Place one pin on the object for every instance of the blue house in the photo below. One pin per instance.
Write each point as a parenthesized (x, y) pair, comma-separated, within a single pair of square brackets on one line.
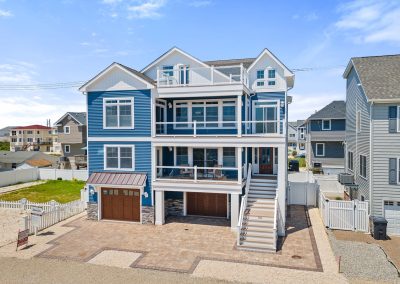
[(190, 137), (326, 131)]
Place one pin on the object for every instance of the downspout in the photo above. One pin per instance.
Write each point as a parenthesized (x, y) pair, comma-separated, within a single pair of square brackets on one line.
[(371, 125)]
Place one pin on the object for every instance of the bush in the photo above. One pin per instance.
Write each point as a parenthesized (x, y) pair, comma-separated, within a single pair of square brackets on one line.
[(338, 198), (302, 162), (294, 153)]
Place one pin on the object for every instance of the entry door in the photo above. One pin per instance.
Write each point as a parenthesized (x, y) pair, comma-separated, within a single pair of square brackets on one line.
[(266, 162)]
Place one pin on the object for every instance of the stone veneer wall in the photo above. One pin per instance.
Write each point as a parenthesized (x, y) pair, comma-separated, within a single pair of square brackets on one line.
[(147, 215), (92, 211), (173, 207)]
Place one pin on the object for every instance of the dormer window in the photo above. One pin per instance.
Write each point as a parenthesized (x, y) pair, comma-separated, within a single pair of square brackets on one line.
[(271, 77), (168, 70)]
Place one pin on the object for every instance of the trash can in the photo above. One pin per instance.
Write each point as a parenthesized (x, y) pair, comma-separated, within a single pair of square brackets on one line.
[(294, 165), (378, 227)]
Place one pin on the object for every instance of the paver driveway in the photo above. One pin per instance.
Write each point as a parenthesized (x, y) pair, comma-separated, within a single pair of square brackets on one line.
[(180, 244)]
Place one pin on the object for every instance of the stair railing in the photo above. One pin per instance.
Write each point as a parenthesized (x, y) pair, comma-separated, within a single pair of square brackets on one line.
[(243, 204), (275, 221)]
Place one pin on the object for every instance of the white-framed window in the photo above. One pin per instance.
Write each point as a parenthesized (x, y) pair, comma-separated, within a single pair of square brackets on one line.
[(301, 132), (302, 146), (13, 133), (350, 161), (320, 149), (292, 135), (363, 166), (119, 157), (30, 140), (168, 70), (118, 113), (207, 114), (271, 74), (182, 156), (358, 121), (20, 140), (67, 148), (326, 124), (229, 157), (29, 132), (260, 78), (14, 140), (67, 129)]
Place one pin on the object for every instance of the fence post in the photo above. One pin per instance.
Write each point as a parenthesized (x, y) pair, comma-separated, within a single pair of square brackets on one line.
[(23, 202)]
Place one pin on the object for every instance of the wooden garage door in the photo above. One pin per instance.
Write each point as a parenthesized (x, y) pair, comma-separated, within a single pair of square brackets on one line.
[(120, 204), (206, 204)]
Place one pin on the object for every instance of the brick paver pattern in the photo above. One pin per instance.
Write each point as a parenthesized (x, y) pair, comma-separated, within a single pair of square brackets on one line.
[(183, 241)]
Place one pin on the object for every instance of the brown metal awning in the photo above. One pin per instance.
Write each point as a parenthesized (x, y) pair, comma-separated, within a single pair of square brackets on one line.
[(118, 179)]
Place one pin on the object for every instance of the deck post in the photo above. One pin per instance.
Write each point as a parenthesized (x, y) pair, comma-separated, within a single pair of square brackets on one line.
[(160, 215), (234, 211)]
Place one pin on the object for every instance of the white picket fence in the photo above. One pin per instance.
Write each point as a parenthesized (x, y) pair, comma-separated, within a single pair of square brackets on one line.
[(344, 215), (57, 214), (25, 204)]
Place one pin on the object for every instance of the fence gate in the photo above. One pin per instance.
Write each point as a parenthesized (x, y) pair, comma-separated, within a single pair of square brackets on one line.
[(344, 215), (303, 193)]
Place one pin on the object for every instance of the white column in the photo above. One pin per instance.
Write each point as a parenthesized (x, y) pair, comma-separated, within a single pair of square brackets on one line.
[(184, 204), (160, 214), (239, 163), (234, 211), (239, 115), (153, 162), (282, 174)]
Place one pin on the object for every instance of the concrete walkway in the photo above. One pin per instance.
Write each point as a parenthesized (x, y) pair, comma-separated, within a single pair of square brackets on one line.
[(6, 189), (261, 274)]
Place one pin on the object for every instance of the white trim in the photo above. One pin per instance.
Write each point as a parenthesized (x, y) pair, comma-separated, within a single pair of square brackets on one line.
[(358, 121), (69, 130), (118, 104), (398, 170), (266, 51), (398, 118), (330, 124), (359, 166), (69, 148), (119, 139), (105, 71), (352, 161), (174, 49), (316, 150), (119, 146)]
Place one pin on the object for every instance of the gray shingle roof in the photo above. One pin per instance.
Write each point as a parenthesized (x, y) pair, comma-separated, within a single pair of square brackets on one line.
[(79, 116), (336, 109), (18, 157), (6, 131), (379, 76)]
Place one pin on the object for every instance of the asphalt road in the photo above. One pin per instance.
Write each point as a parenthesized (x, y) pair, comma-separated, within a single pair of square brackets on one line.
[(38, 270)]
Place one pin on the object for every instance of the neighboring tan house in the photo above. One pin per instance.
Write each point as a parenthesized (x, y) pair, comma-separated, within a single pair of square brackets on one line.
[(292, 136), (184, 136), (373, 134), (71, 128), (25, 159), (325, 137), (31, 138)]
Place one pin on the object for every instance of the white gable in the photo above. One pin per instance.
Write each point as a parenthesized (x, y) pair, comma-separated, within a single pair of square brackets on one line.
[(174, 57), (116, 78)]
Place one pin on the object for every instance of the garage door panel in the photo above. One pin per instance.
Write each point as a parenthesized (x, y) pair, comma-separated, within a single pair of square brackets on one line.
[(206, 204), (392, 215), (121, 204)]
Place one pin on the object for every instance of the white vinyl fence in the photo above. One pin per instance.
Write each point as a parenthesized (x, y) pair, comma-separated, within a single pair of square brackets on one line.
[(57, 214), (344, 215), (25, 204), (63, 174), (303, 193), (16, 176)]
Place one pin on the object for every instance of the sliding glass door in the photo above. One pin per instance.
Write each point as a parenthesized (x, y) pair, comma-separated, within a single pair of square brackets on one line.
[(267, 115)]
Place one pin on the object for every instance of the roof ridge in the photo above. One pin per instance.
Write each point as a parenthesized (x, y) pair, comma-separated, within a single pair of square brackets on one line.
[(370, 56)]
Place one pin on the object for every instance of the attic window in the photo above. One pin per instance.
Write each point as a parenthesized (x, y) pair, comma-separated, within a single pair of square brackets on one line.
[(168, 70), (326, 125)]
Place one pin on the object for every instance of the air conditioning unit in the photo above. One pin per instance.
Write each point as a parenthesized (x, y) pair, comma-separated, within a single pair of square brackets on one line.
[(345, 178)]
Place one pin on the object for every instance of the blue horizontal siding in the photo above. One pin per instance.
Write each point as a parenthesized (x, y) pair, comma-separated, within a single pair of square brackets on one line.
[(332, 149), (142, 161), (142, 114), (336, 125)]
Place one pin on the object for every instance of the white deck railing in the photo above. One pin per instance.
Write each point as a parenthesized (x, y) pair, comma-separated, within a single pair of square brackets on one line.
[(195, 173), (219, 128), (202, 76), (243, 204)]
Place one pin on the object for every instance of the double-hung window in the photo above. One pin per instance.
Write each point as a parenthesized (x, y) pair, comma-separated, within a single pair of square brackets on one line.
[(67, 149), (119, 157), (260, 78), (350, 161), (67, 130), (320, 149), (363, 166), (29, 132), (118, 113), (271, 77), (326, 124)]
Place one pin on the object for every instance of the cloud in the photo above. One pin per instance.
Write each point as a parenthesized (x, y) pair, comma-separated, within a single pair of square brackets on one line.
[(200, 3), (146, 9), (5, 14), (370, 21), (312, 16)]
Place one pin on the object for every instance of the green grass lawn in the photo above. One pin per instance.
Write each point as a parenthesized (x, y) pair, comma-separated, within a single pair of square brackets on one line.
[(62, 191)]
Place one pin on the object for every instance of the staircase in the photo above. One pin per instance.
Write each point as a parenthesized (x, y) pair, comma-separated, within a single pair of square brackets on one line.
[(257, 231)]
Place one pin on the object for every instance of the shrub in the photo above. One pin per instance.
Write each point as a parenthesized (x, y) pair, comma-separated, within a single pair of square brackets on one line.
[(294, 153), (338, 198), (302, 162)]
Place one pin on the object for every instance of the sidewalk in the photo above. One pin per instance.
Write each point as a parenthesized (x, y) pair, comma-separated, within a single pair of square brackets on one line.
[(15, 187), (261, 274)]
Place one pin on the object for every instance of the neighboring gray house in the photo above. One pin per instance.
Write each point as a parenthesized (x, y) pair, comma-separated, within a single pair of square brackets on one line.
[(325, 137), (301, 136), (373, 134), (292, 136), (25, 159), (5, 133), (71, 128)]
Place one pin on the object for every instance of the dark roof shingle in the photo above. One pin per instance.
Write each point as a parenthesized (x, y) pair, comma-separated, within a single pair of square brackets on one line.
[(335, 110)]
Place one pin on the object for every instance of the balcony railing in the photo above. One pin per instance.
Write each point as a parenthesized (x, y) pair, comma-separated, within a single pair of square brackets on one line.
[(196, 174), (219, 128), (202, 76)]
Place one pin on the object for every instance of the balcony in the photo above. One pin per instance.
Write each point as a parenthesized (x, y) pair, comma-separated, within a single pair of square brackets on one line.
[(220, 128)]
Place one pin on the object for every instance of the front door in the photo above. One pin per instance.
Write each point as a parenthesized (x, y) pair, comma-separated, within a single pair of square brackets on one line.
[(266, 160)]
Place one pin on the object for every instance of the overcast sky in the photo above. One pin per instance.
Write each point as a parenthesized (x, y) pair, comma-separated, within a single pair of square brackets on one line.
[(72, 40)]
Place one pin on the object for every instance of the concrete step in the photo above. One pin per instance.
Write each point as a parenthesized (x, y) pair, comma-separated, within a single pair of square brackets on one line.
[(267, 235), (261, 213), (258, 219), (259, 205), (256, 239), (252, 200), (262, 191), (259, 195), (257, 249), (263, 180), (258, 229)]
